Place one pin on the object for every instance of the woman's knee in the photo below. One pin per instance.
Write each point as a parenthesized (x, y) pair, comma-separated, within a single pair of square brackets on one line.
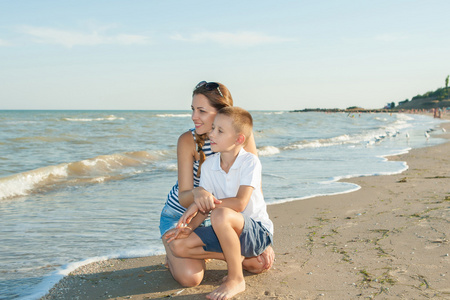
[(187, 278), (187, 272), (178, 248)]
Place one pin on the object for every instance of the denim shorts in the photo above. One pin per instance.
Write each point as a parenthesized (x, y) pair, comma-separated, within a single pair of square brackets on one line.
[(255, 238), (169, 219)]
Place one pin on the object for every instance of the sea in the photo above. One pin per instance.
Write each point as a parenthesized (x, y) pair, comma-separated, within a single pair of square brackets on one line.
[(83, 186)]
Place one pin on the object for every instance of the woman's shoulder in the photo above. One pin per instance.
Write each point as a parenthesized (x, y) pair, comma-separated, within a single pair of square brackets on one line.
[(186, 138)]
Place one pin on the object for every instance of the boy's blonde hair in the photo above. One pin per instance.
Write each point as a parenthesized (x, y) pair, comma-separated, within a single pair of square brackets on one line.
[(241, 120)]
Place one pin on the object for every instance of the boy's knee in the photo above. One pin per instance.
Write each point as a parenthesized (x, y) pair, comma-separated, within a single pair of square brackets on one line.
[(220, 215)]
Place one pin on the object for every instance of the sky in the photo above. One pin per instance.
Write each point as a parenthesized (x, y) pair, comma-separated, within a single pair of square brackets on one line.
[(272, 55)]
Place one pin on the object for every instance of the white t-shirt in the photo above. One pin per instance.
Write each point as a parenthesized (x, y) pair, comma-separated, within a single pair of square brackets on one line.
[(246, 170)]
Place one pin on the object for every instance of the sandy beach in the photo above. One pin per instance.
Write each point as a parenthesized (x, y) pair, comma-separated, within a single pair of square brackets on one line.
[(388, 240)]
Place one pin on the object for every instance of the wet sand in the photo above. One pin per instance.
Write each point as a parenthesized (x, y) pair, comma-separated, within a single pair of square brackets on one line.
[(388, 240)]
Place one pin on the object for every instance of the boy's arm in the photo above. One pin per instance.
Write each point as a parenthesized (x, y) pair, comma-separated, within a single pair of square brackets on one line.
[(238, 203), (250, 178), (204, 193), (197, 220)]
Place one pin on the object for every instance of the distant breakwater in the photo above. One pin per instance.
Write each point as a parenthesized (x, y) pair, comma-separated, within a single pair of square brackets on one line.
[(338, 110)]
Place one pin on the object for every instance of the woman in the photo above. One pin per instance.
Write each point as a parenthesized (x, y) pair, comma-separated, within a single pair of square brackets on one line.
[(192, 149)]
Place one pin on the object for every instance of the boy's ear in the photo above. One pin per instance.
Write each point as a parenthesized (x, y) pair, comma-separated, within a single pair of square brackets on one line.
[(240, 139)]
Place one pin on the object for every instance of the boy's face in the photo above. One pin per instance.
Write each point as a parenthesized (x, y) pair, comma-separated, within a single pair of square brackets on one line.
[(223, 137)]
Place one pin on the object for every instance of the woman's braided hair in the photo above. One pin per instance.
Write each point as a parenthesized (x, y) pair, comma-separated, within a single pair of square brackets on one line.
[(216, 100)]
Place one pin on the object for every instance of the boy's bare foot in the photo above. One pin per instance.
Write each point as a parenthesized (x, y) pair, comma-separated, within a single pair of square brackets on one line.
[(227, 290)]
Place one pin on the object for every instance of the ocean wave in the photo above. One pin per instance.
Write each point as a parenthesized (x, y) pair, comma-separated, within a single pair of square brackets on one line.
[(46, 139), (107, 118), (338, 140), (369, 134), (351, 188), (173, 115), (404, 117), (367, 138), (268, 151), (274, 113), (403, 167), (15, 122), (90, 171)]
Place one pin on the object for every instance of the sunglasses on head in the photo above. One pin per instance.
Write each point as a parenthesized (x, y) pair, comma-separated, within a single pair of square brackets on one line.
[(209, 86)]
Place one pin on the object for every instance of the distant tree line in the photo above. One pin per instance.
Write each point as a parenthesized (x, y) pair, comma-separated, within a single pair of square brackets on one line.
[(439, 94)]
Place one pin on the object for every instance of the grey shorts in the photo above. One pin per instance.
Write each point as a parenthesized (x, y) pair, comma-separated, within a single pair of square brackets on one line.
[(255, 238)]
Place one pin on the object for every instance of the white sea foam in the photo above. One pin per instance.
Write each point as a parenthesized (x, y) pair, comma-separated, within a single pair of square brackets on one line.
[(404, 117), (173, 115), (379, 173), (268, 151), (274, 113), (338, 140), (354, 187), (49, 281), (381, 119), (107, 118), (172, 167), (23, 183)]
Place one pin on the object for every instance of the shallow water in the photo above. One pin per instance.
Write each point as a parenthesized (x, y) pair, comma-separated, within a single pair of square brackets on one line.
[(77, 186)]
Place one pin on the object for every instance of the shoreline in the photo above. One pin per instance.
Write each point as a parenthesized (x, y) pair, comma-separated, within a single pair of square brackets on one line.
[(388, 238)]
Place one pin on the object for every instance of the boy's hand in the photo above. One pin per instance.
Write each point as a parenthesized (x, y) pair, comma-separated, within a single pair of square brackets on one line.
[(205, 200), (179, 233), (267, 258)]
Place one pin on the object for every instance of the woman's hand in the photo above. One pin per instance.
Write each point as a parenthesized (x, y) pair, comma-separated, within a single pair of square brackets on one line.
[(204, 200), (188, 215), (178, 233)]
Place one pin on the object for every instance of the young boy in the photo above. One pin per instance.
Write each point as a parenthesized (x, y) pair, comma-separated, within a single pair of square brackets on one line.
[(240, 226)]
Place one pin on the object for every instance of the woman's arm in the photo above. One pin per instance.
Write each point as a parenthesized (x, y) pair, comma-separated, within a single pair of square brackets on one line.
[(186, 155), (251, 145), (185, 160)]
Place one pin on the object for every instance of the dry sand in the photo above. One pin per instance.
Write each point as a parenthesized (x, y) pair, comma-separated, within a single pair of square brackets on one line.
[(388, 240)]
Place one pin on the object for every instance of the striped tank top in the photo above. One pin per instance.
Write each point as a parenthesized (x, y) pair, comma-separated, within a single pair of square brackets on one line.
[(172, 197)]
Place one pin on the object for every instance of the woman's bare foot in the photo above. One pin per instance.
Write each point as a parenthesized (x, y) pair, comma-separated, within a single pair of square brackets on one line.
[(227, 290), (166, 263)]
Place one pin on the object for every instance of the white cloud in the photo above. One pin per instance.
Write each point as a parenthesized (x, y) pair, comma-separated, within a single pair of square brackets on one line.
[(232, 39), (69, 39)]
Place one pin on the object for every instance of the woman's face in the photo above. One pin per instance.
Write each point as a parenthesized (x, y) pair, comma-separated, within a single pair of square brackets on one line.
[(203, 114)]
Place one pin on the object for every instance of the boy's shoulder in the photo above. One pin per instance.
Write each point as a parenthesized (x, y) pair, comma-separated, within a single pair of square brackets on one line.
[(209, 161), (247, 157)]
